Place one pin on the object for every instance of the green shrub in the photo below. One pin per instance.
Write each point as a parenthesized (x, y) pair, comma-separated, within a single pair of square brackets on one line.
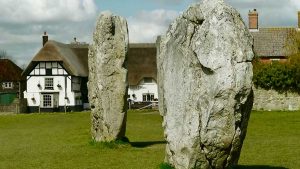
[(165, 166), (280, 76), (277, 76)]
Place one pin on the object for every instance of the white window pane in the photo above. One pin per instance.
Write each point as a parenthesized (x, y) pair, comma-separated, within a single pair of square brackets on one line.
[(47, 101), (54, 71), (60, 71), (49, 83), (42, 72), (36, 71)]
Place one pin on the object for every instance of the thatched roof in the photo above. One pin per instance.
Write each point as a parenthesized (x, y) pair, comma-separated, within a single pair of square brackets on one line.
[(141, 62), (9, 71), (270, 42), (73, 57)]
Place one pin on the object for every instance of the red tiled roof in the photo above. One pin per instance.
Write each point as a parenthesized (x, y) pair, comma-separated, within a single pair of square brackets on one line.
[(9, 71), (270, 42)]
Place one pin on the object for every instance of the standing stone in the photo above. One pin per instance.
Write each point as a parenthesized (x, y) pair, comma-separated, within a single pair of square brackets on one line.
[(205, 86), (108, 78)]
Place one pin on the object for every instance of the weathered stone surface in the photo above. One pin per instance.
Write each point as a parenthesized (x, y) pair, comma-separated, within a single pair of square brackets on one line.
[(205, 86), (108, 78)]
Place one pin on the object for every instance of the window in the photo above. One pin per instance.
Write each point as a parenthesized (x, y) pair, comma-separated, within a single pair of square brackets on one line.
[(48, 83), (76, 84), (147, 97), (47, 100), (148, 80), (7, 85)]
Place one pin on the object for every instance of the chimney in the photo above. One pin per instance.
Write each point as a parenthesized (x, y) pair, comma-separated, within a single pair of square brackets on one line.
[(253, 19), (45, 38), (299, 19)]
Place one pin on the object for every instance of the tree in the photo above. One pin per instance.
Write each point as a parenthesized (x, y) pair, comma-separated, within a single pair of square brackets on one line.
[(3, 54), (293, 51)]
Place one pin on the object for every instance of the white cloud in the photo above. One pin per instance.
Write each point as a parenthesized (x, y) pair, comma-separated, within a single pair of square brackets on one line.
[(273, 13), (22, 23), (147, 25), (24, 11)]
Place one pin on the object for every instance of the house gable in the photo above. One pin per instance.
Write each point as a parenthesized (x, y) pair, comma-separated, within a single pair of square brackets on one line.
[(48, 69), (72, 58)]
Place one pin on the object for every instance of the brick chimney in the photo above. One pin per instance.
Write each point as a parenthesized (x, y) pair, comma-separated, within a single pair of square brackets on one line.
[(253, 19), (45, 38), (299, 19)]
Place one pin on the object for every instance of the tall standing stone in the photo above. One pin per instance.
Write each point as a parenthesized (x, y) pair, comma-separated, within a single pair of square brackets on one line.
[(108, 78), (205, 86)]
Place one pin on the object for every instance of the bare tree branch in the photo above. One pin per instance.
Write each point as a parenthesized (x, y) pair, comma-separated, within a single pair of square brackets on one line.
[(3, 54)]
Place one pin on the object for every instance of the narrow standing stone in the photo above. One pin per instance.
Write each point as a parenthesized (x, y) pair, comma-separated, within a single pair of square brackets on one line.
[(205, 86), (108, 78)]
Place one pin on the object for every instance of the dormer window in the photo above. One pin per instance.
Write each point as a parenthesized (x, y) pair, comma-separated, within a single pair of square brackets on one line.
[(148, 80), (48, 83), (7, 85)]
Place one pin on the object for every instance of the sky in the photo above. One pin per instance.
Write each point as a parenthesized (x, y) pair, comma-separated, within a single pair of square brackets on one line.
[(23, 22)]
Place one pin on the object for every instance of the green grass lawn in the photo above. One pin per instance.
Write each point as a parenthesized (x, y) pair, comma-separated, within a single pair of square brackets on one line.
[(59, 140)]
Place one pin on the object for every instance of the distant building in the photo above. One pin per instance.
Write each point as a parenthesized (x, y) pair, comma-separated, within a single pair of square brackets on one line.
[(269, 43), (12, 87), (142, 73), (57, 77)]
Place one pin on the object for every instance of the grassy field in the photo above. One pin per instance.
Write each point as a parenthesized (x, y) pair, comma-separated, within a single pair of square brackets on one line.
[(58, 141)]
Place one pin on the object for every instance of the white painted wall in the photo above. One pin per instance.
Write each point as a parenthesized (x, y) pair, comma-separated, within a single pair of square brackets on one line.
[(33, 91), (143, 88)]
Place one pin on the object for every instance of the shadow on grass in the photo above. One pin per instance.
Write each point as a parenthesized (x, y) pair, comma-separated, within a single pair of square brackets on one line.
[(146, 143), (122, 143), (257, 167)]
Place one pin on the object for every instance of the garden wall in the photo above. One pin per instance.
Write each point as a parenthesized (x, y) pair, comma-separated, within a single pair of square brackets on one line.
[(273, 100), (17, 106)]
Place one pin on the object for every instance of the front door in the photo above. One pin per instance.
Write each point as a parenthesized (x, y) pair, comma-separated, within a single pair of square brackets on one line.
[(47, 101)]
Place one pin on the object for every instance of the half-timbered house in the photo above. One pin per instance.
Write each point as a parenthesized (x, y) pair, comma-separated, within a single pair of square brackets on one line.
[(57, 77)]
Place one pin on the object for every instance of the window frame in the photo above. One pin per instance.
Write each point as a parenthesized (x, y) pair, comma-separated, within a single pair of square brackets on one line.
[(148, 97), (48, 84), (148, 80), (47, 101), (7, 85)]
